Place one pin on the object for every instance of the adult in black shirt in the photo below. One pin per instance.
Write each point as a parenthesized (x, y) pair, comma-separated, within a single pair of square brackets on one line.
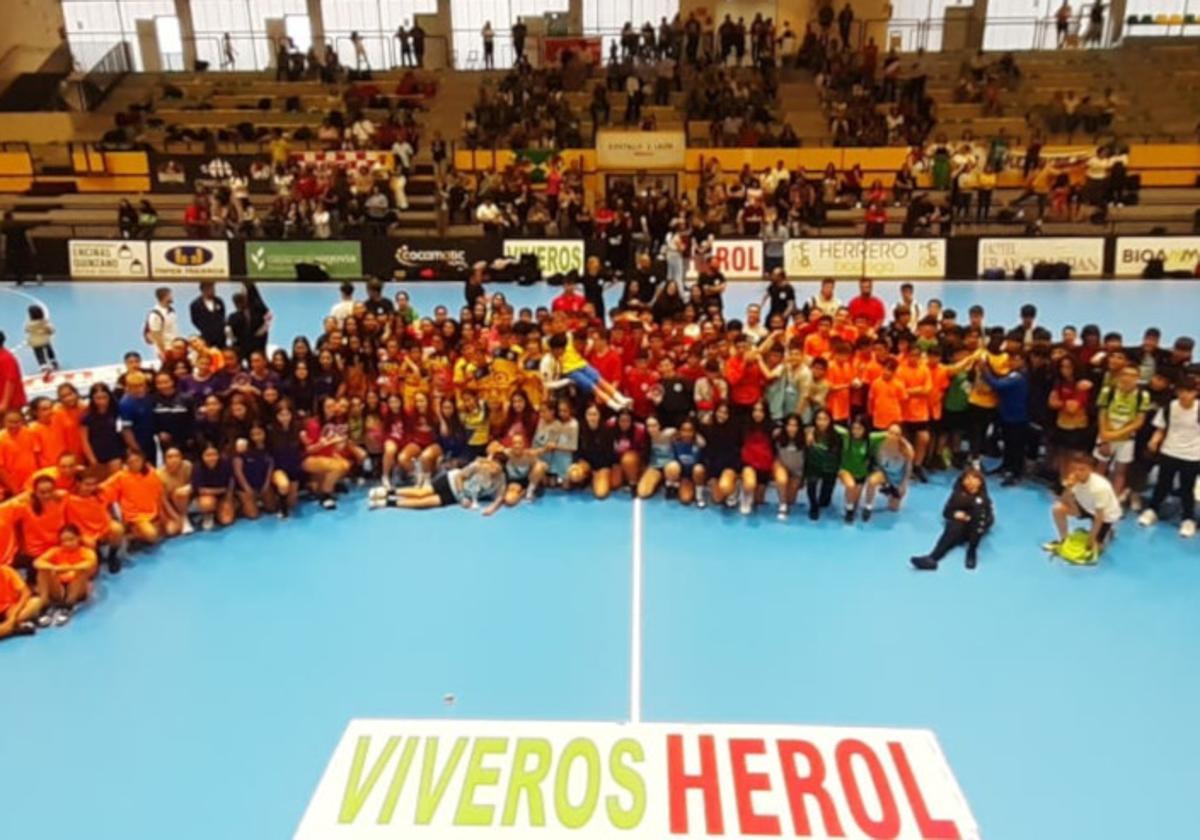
[(648, 280), (174, 415), (780, 298), (18, 249), (249, 325), (208, 315), (594, 281), (677, 401), (417, 34), (474, 288), (712, 285), (376, 303), (518, 38)]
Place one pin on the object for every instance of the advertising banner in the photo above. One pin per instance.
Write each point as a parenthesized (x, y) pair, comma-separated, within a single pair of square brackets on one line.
[(528, 780), (555, 256), (882, 258), (110, 258), (738, 259), (278, 260), (1085, 255), (190, 259), (1178, 253), (621, 149)]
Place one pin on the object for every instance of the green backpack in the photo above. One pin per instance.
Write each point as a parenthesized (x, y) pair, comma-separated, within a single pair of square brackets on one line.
[(1077, 550)]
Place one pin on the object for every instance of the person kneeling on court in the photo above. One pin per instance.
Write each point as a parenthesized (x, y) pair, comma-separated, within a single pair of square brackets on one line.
[(19, 608), (480, 480), (969, 516), (64, 576), (1086, 495)]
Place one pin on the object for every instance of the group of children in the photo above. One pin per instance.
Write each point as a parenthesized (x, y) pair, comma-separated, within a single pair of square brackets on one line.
[(493, 407)]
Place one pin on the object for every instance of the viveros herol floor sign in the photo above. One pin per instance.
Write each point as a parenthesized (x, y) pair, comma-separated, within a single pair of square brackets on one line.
[(455, 780)]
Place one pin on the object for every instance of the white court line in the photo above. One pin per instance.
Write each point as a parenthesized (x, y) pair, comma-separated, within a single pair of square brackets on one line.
[(635, 608)]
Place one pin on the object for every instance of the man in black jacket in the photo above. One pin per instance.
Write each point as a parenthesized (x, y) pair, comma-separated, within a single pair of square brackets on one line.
[(208, 315)]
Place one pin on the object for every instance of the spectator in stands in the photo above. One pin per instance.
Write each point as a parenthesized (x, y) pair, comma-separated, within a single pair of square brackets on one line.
[(845, 20), (489, 46), (417, 33), (519, 31), (361, 61)]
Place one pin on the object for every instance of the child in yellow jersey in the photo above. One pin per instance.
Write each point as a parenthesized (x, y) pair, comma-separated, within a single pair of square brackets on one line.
[(982, 401), (565, 365)]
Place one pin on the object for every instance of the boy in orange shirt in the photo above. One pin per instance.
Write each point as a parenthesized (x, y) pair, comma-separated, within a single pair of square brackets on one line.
[(66, 421), (64, 576), (885, 398), (819, 344), (19, 608), (914, 374), (88, 510), (841, 378), (49, 441), (40, 517)]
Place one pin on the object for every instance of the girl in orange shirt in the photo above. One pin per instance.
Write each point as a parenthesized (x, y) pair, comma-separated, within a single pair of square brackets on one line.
[(915, 376), (885, 399), (64, 576), (18, 453), (137, 491), (66, 421), (41, 518), (49, 442), (841, 378)]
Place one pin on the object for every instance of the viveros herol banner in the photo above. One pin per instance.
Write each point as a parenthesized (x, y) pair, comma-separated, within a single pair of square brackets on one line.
[(465, 780), (555, 256), (278, 260)]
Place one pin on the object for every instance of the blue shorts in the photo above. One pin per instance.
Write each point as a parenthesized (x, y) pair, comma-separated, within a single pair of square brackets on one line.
[(587, 377)]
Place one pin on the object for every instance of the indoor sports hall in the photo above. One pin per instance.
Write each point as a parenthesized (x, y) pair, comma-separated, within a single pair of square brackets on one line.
[(210, 682)]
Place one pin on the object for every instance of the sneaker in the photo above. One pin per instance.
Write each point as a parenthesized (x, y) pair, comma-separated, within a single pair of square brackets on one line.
[(866, 514), (732, 501), (208, 523), (1053, 546), (919, 472), (782, 515), (747, 504), (380, 492), (25, 628), (814, 514), (329, 503), (187, 527), (849, 517), (971, 560), (376, 502), (61, 616), (1010, 481), (114, 563), (1148, 518), (45, 619), (385, 484), (1187, 529), (672, 491), (923, 564), (1135, 502), (701, 504)]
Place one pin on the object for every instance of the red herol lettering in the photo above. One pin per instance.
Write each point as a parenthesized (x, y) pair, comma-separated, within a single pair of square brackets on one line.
[(930, 828), (706, 781), (812, 785), (888, 825), (744, 785)]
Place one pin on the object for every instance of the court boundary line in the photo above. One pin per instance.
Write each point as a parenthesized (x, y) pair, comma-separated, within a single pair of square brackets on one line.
[(635, 618)]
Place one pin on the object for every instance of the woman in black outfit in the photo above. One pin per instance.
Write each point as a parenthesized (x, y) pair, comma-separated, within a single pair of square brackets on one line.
[(968, 515)]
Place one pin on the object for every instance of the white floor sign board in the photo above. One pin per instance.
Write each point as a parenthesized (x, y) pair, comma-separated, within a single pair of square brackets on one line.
[(454, 780)]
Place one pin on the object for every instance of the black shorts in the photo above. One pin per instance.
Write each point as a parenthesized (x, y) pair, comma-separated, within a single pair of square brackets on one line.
[(955, 421), (441, 486), (1105, 529), (1075, 440), (520, 481), (912, 427)]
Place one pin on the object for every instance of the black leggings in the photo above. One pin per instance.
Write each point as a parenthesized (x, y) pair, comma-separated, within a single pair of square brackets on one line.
[(980, 419), (955, 534), (1168, 469), (45, 355), (820, 490)]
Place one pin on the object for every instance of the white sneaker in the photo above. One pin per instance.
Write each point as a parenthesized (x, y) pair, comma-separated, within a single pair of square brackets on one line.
[(385, 483), (1148, 518), (378, 492), (1187, 529), (187, 527), (209, 522), (747, 504), (783, 513)]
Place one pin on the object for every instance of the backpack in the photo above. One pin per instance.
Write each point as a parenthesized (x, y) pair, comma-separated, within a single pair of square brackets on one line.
[(1077, 550)]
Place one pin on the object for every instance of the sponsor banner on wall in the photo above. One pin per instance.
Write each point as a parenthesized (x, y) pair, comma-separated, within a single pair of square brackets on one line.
[(737, 258), (1084, 254), (620, 149), (278, 260), (181, 258), (555, 256), (1178, 253), (465, 780), (904, 258), (111, 258)]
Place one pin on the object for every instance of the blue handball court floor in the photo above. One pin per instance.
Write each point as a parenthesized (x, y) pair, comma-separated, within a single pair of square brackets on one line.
[(201, 695)]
